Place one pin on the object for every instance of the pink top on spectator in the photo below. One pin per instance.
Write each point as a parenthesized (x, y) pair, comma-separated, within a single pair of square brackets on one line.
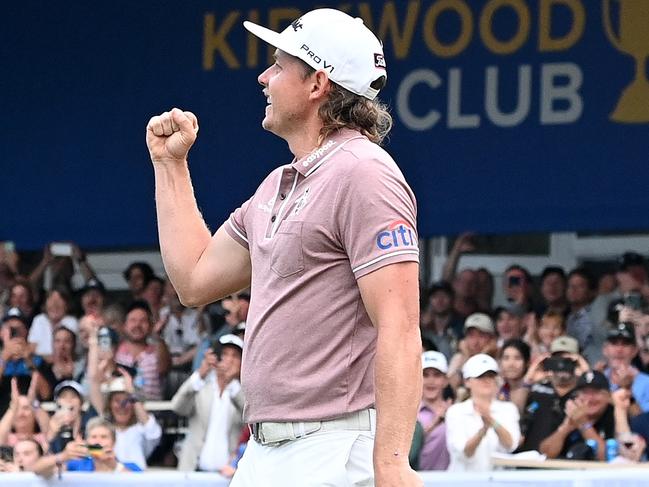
[(312, 228), (147, 364)]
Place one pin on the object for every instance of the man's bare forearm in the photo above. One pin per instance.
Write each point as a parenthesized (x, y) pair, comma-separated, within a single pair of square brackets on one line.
[(182, 231), (398, 392)]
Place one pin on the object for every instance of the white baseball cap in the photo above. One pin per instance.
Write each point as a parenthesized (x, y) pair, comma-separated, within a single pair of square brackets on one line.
[(478, 365), (434, 360), (332, 41), (230, 339)]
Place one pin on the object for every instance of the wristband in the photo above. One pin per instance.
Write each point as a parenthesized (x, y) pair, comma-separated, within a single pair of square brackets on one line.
[(495, 424)]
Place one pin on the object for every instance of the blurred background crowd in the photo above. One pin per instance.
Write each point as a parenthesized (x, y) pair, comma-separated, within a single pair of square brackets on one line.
[(92, 380)]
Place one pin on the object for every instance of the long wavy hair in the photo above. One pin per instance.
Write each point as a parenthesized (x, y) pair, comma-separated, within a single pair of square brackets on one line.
[(344, 109)]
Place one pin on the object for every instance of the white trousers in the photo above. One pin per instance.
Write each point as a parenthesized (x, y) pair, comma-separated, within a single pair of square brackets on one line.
[(330, 458)]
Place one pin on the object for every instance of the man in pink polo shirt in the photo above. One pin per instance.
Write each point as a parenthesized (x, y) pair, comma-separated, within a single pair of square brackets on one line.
[(331, 367)]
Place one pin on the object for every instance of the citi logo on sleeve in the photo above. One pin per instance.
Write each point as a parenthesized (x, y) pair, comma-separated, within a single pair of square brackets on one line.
[(398, 234)]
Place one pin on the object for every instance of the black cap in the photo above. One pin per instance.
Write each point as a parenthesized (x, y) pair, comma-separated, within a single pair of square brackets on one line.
[(441, 286), (629, 259), (593, 379), (93, 283), (624, 331), (15, 314)]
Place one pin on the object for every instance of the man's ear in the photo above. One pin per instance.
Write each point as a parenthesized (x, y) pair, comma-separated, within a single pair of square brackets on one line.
[(320, 85)]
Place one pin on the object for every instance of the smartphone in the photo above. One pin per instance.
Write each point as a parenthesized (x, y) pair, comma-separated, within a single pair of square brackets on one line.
[(514, 281), (14, 332), (95, 450), (633, 301), (6, 454), (61, 249)]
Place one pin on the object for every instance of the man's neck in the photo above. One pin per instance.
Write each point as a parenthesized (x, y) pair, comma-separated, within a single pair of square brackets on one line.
[(305, 139)]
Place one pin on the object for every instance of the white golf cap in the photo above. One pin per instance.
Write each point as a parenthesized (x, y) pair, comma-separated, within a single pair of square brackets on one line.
[(330, 40), (434, 360), (478, 365), (231, 340)]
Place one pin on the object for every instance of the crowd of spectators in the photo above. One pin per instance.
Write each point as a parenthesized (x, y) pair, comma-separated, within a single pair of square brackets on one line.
[(559, 367), (101, 358)]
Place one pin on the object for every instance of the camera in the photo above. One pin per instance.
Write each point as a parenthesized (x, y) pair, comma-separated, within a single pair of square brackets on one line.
[(634, 301), (66, 435), (559, 364)]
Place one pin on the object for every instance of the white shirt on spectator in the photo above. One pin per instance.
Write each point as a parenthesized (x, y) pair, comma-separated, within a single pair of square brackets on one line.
[(215, 452), (135, 443), (188, 324), (42, 333), (463, 422)]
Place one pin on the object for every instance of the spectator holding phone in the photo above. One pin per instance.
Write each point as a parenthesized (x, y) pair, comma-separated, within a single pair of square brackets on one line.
[(143, 349), (17, 359), (137, 432), (518, 286), (213, 402), (550, 379), (481, 425), (69, 421), (64, 266), (96, 454)]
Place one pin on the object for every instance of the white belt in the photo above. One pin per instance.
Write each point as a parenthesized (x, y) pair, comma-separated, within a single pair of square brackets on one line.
[(277, 433)]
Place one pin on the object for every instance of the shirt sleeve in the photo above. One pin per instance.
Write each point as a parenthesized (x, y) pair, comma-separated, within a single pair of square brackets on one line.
[(152, 434), (376, 216), (507, 415), (456, 434), (236, 226)]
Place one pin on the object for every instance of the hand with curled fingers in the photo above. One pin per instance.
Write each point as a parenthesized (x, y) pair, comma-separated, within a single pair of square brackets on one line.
[(170, 135)]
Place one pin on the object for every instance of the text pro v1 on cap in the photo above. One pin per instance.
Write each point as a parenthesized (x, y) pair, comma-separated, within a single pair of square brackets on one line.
[(332, 41)]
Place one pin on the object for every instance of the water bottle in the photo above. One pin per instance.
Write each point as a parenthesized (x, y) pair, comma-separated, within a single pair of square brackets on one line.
[(138, 380), (592, 444), (611, 449)]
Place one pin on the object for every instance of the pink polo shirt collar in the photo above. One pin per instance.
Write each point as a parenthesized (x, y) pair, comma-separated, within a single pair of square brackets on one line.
[(314, 159)]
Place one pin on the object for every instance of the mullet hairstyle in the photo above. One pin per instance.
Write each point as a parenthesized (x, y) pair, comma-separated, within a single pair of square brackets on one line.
[(344, 109)]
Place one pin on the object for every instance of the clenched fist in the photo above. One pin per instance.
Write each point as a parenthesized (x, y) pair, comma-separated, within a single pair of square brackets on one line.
[(169, 136)]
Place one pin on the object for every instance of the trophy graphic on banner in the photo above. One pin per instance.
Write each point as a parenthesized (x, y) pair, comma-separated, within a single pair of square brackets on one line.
[(632, 38)]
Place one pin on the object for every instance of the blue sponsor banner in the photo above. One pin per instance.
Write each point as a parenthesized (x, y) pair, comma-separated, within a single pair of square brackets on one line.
[(510, 115)]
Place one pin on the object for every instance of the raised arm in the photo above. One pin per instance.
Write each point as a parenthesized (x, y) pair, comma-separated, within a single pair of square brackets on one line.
[(202, 267), (391, 298)]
